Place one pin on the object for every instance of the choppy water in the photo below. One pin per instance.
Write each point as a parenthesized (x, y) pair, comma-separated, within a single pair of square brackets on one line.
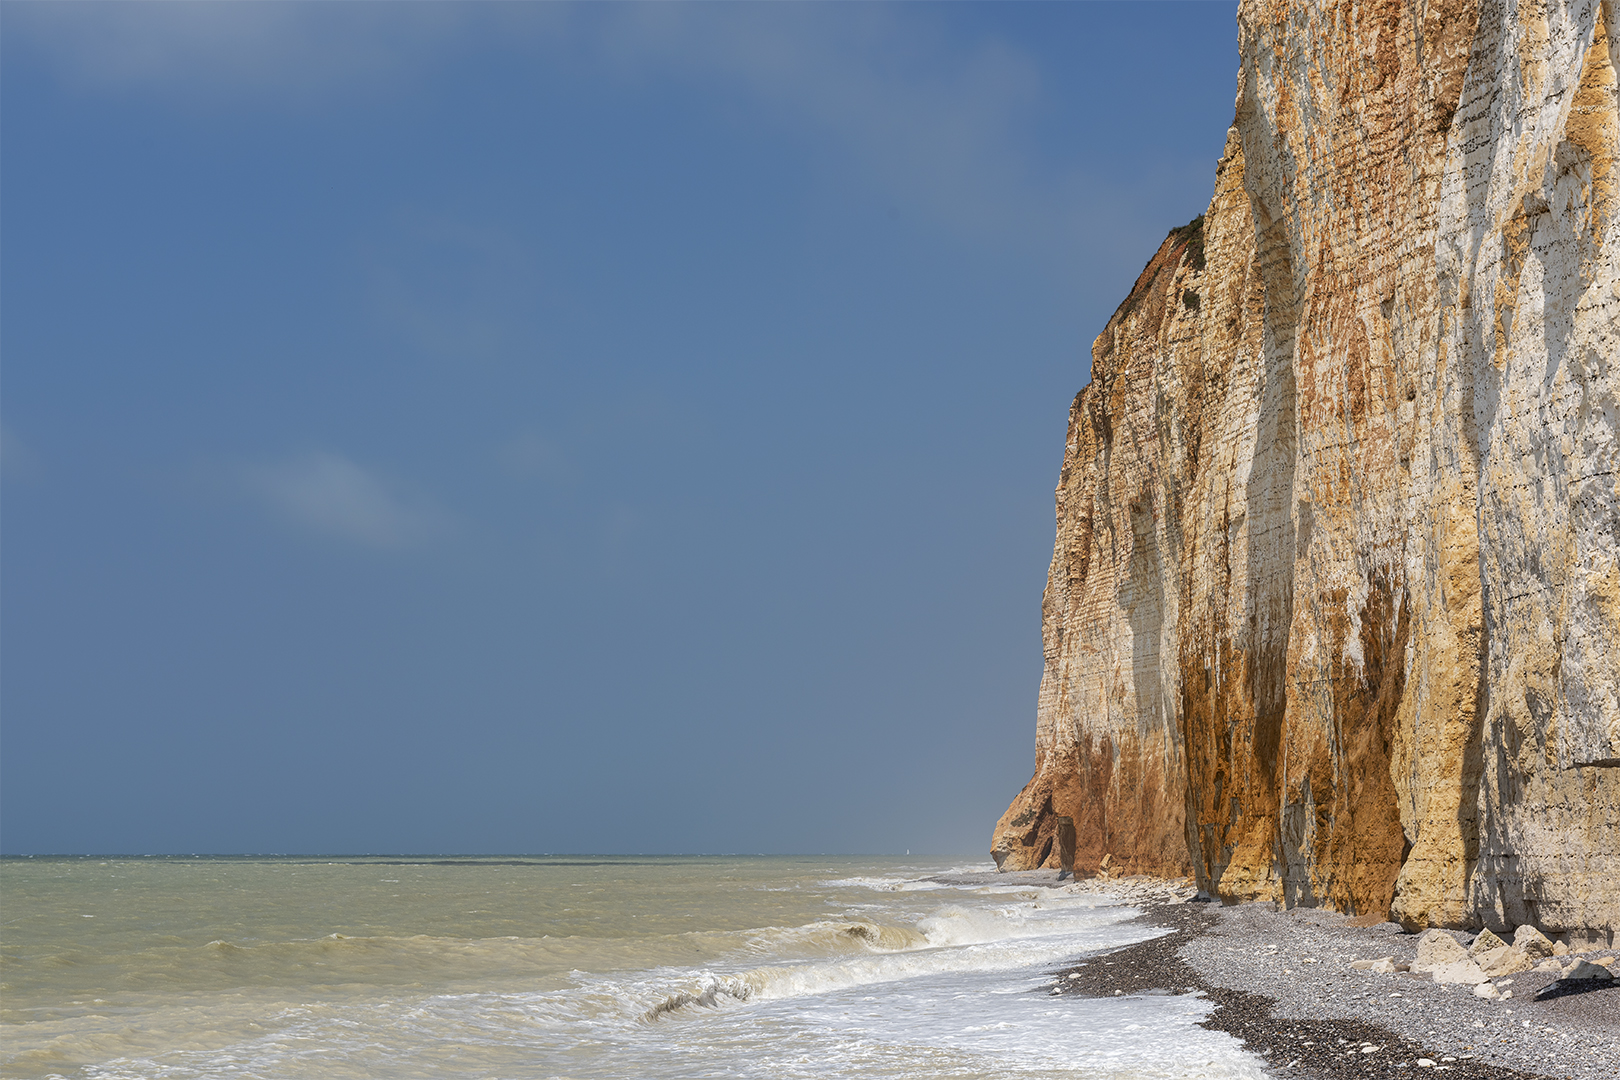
[(567, 967)]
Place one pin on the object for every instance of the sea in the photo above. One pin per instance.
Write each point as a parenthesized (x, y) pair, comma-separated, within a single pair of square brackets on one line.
[(570, 967)]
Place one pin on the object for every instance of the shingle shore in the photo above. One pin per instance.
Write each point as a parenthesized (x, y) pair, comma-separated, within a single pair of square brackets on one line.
[(1319, 1018), (1548, 1027), (1282, 982)]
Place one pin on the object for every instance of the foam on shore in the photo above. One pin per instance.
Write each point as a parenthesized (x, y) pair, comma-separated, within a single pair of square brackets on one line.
[(757, 967)]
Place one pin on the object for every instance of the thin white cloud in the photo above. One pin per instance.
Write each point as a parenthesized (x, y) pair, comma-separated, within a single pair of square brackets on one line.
[(932, 120), (936, 122), (330, 495), (284, 49), (941, 125)]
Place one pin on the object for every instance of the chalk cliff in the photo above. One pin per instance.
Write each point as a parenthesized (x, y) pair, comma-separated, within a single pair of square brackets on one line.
[(1333, 615)]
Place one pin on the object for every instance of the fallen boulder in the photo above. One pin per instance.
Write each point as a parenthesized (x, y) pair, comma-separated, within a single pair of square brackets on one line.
[(1437, 949), (1384, 965), (1503, 960), (1485, 942), (1532, 942), (1464, 972), (1585, 969)]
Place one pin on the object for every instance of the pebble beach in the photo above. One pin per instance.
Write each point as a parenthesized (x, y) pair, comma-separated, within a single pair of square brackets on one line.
[(1284, 982)]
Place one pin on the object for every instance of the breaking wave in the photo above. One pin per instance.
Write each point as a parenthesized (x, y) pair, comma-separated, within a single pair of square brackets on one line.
[(774, 968)]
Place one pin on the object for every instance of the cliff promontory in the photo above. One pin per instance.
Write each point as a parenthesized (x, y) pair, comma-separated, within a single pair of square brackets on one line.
[(1333, 615)]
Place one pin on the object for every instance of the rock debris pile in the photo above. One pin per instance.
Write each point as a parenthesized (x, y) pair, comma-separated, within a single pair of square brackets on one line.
[(1488, 957)]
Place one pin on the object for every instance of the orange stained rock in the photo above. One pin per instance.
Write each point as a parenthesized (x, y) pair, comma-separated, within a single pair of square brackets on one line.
[(1333, 614)]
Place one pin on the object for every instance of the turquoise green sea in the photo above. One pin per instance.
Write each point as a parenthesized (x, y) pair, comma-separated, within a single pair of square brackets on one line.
[(567, 967)]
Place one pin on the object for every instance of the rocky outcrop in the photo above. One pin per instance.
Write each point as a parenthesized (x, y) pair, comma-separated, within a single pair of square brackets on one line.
[(1333, 614)]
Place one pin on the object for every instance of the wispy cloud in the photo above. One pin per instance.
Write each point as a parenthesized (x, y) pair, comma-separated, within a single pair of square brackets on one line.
[(935, 121), (286, 50), (332, 496)]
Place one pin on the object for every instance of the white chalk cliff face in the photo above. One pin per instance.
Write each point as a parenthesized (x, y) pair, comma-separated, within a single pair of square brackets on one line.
[(1334, 609)]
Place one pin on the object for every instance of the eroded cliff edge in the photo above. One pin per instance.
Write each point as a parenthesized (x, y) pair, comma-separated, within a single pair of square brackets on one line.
[(1333, 615)]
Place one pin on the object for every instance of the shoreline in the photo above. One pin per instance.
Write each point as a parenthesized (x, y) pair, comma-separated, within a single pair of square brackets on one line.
[(1281, 983)]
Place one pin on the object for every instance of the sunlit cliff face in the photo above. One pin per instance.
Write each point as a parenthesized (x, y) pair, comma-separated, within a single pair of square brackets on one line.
[(1333, 615)]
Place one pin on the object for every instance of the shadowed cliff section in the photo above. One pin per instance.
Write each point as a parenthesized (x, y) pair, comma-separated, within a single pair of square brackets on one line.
[(1333, 614)]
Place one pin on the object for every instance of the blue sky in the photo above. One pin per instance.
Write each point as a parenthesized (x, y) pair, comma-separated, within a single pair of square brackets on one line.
[(525, 428)]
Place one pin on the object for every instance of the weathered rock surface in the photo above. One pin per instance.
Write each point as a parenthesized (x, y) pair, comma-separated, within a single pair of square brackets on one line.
[(1584, 969), (1437, 949), (1503, 960), (1532, 942), (1485, 942), (1333, 614), (1465, 972), (1384, 965)]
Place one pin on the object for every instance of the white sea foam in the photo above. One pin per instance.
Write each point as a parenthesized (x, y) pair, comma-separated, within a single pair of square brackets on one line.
[(842, 976), (886, 884)]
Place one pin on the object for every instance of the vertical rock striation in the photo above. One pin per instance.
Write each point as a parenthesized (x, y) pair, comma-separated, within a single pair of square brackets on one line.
[(1333, 614)]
